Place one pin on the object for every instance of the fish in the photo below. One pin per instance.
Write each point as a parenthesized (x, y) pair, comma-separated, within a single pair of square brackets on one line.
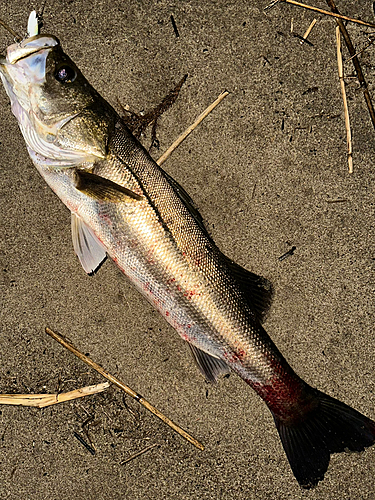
[(126, 207)]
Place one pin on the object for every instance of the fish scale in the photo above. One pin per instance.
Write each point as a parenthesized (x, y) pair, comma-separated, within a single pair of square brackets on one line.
[(203, 290), (125, 206)]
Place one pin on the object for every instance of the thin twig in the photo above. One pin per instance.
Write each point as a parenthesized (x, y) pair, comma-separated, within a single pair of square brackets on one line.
[(288, 253), (82, 441), (362, 50), (253, 193), (343, 92), (68, 345), (174, 25), (321, 11), (357, 66), (308, 31), (338, 200), (43, 400), (183, 136), (272, 4), (145, 450), (11, 31)]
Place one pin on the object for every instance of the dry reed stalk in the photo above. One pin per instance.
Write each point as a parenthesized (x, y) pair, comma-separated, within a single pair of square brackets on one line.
[(43, 400), (321, 11), (357, 66), (183, 136), (339, 19), (343, 92), (68, 345), (16, 36), (308, 31), (139, 453)]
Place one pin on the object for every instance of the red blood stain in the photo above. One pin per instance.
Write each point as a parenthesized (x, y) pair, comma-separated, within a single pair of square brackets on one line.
[(230, 357), (286, 396), (105, 218), (189, 294), (241, 354), (147, 287)]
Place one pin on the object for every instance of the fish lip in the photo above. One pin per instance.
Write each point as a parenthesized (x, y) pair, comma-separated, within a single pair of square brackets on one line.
[(3, 69), (3, 63), (29, 46)]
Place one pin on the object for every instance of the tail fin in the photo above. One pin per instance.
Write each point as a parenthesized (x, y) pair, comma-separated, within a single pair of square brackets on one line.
[(331, 427)]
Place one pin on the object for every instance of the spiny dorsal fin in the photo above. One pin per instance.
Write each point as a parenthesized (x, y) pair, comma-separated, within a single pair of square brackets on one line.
[(256, 290), (90, 251), (210, 367), (102, 189)]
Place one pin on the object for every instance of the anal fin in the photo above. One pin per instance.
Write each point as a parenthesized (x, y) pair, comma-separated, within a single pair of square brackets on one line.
[(210, 367), (90, 251)]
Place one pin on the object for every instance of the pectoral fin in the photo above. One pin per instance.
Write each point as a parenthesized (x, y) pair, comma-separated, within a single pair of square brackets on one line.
[(210, 367), (102, 189), (90, 251)]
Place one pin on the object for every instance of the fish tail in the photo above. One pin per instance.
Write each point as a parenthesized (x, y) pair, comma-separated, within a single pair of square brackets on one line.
[(329, 427)]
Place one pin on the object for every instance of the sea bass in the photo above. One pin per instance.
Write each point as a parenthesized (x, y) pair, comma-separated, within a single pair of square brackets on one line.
[(125, 206)]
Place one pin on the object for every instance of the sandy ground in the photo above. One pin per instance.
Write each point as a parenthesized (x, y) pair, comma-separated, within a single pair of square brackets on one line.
[(265, 170)]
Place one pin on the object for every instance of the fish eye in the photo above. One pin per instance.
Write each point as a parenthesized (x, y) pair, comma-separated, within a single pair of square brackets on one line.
[(65, 74)]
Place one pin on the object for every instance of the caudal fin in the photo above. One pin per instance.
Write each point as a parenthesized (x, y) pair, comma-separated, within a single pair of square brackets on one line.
[(331, 427)]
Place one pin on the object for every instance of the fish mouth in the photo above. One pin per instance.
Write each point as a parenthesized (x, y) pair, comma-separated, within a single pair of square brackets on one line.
[(25, 62), (21, 50), (27, 47)]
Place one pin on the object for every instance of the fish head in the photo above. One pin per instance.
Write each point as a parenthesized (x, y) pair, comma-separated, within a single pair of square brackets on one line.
[(62, 117)]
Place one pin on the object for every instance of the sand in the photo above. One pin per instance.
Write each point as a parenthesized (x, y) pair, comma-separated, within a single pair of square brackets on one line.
[(268, 171)]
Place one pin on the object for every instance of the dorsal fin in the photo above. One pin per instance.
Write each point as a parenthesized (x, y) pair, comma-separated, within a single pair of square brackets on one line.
[(257, 291)]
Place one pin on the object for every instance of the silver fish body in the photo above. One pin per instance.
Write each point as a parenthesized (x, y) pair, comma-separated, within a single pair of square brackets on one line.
[(124, 205)]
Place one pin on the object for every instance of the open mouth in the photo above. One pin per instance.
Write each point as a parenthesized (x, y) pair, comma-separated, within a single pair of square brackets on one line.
[(29, 46), (25, 63), (12, 67)]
